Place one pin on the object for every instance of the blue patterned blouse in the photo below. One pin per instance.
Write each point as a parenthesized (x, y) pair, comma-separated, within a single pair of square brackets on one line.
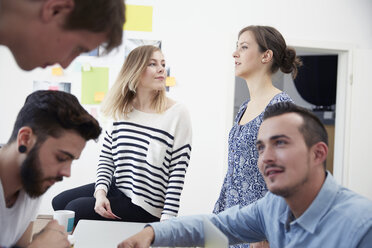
[(243, 182)]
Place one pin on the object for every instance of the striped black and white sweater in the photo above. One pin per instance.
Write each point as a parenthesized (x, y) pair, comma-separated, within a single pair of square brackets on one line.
[(148, 154)]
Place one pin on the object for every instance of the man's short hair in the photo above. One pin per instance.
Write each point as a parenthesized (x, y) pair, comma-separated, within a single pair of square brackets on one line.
[(312, 128), (49, 113), (99, 16)]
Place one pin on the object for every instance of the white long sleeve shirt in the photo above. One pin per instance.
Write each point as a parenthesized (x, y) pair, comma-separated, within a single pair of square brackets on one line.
[(148, 154)]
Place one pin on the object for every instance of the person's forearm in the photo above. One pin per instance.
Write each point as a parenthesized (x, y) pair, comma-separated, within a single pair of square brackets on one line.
[(100, 193), (181, 231), (26, 237)]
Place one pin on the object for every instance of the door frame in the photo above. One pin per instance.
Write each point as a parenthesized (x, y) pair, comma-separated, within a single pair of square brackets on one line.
[(343, 99)]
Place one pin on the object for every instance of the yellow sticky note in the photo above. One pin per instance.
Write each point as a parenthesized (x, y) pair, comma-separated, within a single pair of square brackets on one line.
[(57, 71), (98, 96), (170, 81), (138, 18)]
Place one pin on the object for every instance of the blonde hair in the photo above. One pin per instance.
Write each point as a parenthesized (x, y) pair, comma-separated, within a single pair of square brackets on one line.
[(118, 101)]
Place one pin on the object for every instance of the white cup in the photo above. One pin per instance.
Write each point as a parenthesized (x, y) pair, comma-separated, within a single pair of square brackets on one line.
[(65, 218)]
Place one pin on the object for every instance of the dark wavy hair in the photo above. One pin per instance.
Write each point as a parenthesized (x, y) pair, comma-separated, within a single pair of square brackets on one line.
[(49, 113), (312, 128), (268, 38)]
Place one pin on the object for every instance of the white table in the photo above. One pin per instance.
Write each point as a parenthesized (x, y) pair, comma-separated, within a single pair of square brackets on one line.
[(103, 234), (108, 234)]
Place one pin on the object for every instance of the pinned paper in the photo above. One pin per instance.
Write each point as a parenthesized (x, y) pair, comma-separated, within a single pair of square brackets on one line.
[(170, 81), (45, 85), (94, 112), (53, 87), (94, 52), (98, 96), (76, 66), (93, 82), (138, 18), (86, 67), (57, 71), (131, 44)]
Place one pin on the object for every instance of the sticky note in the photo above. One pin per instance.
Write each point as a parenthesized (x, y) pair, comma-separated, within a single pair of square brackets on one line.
[(57, 71), (170, 81), (138, 18), (93, 82), (98, 96), (86, 67), (94, 112), (53, 87)]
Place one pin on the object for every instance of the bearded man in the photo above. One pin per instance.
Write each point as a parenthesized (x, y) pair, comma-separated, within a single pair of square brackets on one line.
[(50, 132)]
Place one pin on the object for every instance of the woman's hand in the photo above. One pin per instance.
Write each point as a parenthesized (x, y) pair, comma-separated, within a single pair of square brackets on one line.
[(102, 206)]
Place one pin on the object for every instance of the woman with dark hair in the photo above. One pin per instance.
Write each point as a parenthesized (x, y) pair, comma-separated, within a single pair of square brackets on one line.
[(260, 52)]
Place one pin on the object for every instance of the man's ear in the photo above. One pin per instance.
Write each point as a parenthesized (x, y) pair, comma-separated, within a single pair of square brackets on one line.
[(320, 151), (26, 138), (56, 8)]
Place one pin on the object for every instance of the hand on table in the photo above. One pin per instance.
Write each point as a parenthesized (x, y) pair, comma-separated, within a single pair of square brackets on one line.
[(142, 239), (53, 235), (102, 206)]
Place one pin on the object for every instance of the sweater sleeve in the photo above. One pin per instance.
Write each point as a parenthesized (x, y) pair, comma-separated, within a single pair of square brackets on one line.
[(178, 165), (106, 167)]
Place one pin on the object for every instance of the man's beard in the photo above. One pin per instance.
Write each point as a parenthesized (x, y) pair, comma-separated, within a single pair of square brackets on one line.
[(31, 175), (288, 191)]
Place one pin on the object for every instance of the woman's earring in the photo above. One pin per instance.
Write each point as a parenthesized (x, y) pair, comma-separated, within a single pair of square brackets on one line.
[(22, 149)]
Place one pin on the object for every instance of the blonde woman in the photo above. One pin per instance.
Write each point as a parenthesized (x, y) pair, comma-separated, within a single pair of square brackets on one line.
[(146, 149)]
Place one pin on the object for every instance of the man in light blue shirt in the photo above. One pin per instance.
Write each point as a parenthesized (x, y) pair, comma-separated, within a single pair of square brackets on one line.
[(305, 206)]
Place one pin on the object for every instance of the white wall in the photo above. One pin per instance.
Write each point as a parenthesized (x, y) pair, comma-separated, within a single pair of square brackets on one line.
[(359, 164), (198, 39)]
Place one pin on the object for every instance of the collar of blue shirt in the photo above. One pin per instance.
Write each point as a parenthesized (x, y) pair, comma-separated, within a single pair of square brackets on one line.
[(318, 208)]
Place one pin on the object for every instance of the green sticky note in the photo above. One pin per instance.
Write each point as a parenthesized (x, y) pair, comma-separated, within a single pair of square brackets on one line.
[(93, 81)]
